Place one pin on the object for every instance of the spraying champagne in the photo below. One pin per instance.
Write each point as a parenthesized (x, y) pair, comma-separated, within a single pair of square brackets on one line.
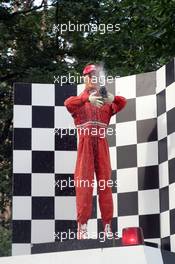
[(101, 81)]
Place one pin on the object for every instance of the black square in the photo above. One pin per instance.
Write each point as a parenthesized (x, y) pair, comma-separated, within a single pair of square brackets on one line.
[(111, 135), (148, 177), (63, 92), (171, 167), (22, 94), (66, 226), (127, 203), (162, 153), (114, 181), (64, 185), (147, 130), (164, 199), (65, 139), (172, 222), (42, 207), (170, 78), (43, 161), (43, 116), (100, 226), (145, 83), (161, 103), (22, 139), (165, 244), (114, 224), (128, 113), (170, 121), (126, 156), (21, 231), (150, 225), (21, 184), (94, 207)]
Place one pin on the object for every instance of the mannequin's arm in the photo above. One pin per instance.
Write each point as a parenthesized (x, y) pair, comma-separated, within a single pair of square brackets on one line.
[(118, 104), (74, 102)]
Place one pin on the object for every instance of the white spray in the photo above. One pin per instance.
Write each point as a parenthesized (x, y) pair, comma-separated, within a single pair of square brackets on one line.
[(101, 79)]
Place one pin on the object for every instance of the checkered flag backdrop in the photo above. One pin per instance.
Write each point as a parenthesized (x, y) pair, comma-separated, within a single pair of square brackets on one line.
[(142, 152)]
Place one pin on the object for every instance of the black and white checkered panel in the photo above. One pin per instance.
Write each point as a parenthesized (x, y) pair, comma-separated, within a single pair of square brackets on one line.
[(166, 143), (42, 156), (137, 156)]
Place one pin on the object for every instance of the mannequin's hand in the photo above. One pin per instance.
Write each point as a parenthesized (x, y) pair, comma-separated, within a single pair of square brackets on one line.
[(109, 99), (96, 100)]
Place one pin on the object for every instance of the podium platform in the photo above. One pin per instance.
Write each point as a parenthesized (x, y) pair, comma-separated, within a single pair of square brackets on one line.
[(74, 244), (93, 251)]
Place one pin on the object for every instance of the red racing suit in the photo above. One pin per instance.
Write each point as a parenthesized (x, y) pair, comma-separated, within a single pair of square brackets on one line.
[(93, 153)]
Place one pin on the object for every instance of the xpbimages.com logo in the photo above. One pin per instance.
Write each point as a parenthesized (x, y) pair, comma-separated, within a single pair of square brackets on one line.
[(102, 132), (88, 27), (62, 236), (63, 184), (102, 80)]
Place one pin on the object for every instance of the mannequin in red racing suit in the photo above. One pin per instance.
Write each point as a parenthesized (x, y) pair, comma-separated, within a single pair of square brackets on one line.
[(93, 152)]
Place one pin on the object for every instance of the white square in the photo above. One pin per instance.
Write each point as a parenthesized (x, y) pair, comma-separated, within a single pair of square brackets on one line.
[(43, 184), (43, 139), (80, 88), (126, 86), (172, 243), (113, 158), (165, 224), (171, 146), (22, 162), (162, 126), (43, 94), (63, 118), (170, 95), (22, 116), (154, 240), (95, 185), (112, 120), (163, 174), (65, 161), (21, 249), (127, 221), (65, 208), (127, 180), (172, 196), (92, 229), (160, 79), (115, 204), (43, 231), (148, 201), (146, 107), (21, 208), (123, 137), (98, 208), (147, 154)]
